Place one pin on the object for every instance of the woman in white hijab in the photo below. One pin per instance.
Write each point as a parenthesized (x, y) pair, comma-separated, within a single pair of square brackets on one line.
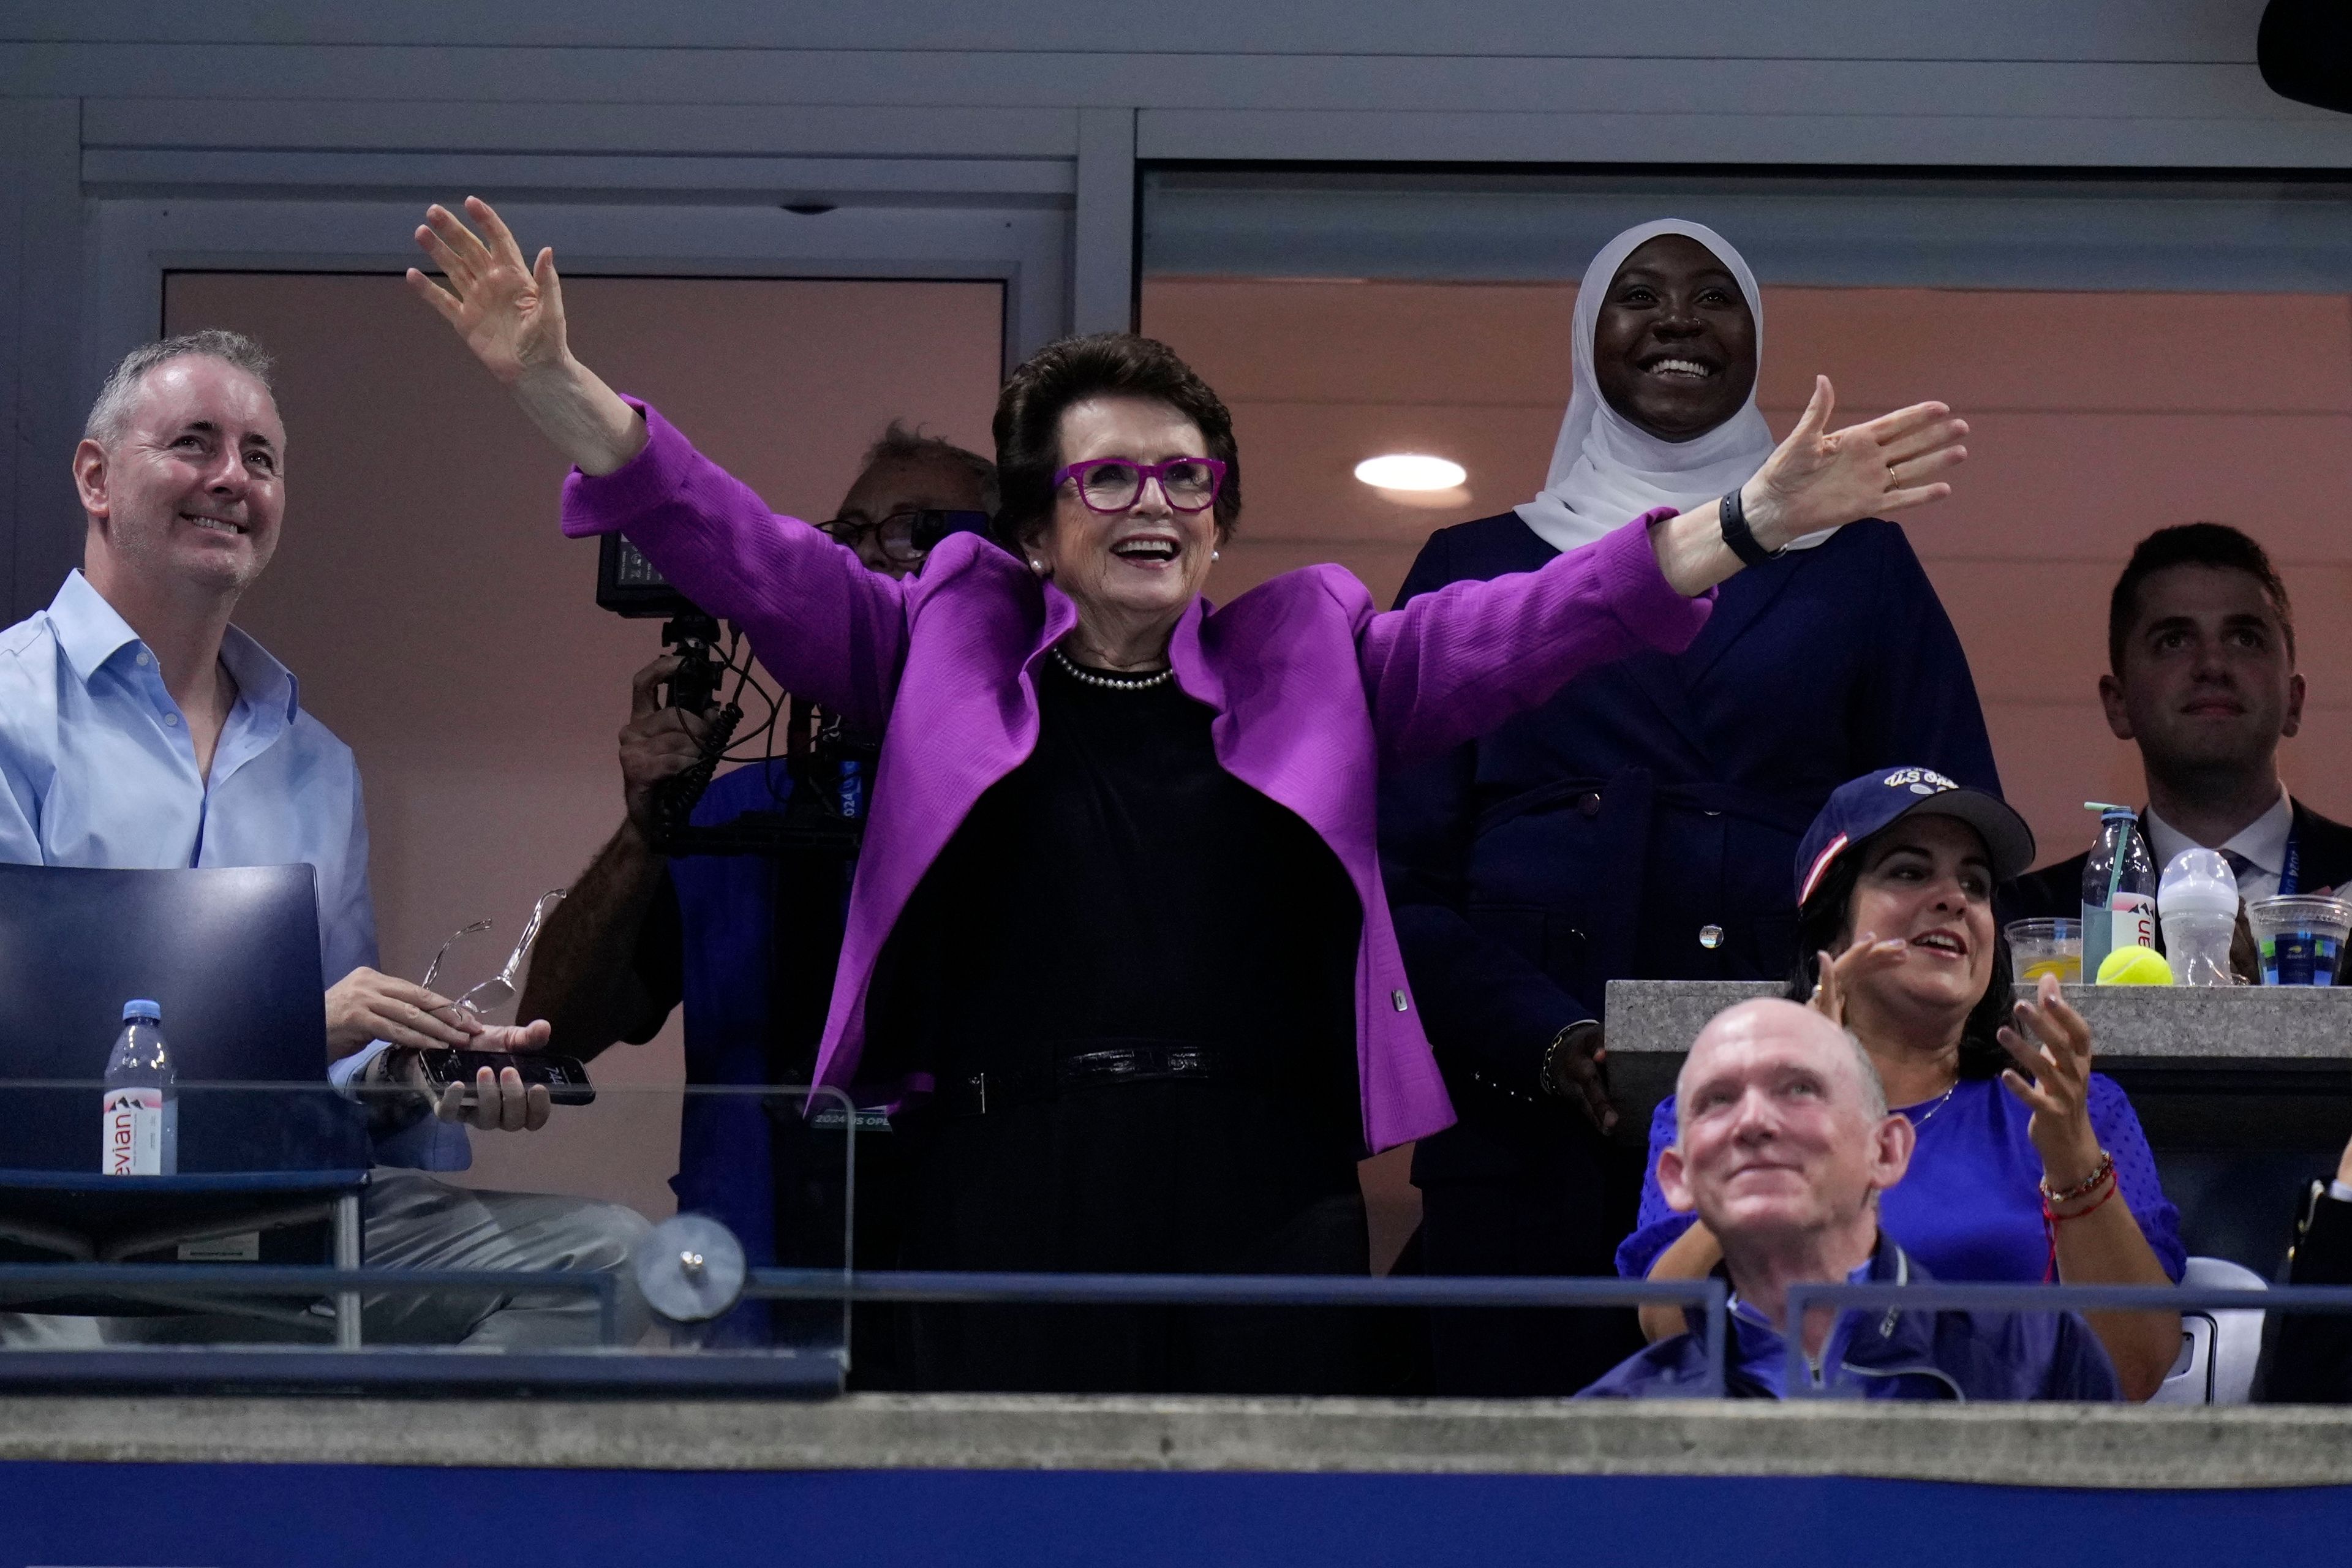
[(1644, 823)]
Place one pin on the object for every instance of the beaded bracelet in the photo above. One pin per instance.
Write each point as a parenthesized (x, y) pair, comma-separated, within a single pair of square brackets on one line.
[(2084, 1189), (2052, 1219)]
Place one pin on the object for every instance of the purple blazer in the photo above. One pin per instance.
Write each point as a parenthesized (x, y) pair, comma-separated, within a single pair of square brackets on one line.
[(1314, 694)]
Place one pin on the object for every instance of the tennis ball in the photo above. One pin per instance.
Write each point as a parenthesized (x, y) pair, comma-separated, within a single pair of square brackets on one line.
[(2135, 965)]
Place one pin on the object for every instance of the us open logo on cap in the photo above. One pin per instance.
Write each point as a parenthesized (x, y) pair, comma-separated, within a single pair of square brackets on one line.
[(1923, 781)]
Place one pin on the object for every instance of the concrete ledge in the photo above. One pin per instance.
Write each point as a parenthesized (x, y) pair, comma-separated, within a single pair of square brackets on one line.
[(2057, 1445), (2271, 1024)]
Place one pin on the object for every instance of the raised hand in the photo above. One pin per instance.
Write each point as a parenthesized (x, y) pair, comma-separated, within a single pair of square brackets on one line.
[(1820, 479), (2051, 1044), (511, 315), (1834, 977)]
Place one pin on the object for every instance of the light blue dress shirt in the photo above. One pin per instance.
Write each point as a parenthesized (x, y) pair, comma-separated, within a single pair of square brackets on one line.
[(97, 769)]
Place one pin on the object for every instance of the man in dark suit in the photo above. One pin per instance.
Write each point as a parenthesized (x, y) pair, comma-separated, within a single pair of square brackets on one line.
[(2201, 649)]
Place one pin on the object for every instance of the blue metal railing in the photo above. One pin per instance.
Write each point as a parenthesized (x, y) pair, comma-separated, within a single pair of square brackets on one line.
[(1710, 1296)]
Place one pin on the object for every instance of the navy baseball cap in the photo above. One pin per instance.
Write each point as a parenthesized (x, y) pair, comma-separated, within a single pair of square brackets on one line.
[(1873, 803)]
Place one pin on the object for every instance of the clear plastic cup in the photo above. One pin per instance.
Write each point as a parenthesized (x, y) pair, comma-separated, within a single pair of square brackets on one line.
[(2037, 948), (2302, 938)]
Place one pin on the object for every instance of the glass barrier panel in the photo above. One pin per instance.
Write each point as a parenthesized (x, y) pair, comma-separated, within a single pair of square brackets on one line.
[(622, 1229)]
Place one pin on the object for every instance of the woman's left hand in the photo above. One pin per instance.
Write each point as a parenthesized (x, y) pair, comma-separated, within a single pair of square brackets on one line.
[(2051, 1042), (1821, 479)]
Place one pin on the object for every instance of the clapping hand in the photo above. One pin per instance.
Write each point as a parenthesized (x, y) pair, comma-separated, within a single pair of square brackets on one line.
[(1821, 479), (2050, 1045), (1834, 978)]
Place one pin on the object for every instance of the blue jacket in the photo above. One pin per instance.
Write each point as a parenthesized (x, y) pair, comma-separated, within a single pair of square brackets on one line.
[(1898, 1353), (1597, 836)]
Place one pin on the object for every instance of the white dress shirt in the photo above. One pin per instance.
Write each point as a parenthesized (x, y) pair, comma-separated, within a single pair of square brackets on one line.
[(2261, 843)]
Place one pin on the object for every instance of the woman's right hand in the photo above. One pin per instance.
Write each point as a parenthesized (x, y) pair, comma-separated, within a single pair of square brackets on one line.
[(510, 316), (1834, 977)]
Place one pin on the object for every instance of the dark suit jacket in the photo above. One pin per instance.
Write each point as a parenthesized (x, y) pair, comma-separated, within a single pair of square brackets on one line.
[(1599, 835), (2056, 891), (2307, 1359)]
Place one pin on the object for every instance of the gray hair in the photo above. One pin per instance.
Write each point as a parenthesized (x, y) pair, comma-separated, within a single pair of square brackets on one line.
[(112, 410), (900, 445)]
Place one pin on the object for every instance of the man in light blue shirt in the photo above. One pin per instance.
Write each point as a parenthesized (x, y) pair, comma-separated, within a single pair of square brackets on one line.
[(140, 728)]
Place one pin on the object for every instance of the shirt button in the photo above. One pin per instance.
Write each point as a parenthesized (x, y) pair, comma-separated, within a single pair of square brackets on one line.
[(1401, 1004), (172, 719), (143, 659), (1710, 937)]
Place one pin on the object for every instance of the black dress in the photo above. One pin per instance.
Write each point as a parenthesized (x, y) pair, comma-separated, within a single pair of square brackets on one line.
[(1133, 977)]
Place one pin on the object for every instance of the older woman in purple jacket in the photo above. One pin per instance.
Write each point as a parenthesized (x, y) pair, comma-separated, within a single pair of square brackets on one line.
[(1120, 900)]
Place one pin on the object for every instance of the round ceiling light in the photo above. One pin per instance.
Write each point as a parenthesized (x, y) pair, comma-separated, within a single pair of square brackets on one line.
[(1411, 471)]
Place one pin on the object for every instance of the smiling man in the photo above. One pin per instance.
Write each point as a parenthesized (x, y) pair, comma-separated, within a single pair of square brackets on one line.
[(140, 730), (2201, 649), (1783, 1145)]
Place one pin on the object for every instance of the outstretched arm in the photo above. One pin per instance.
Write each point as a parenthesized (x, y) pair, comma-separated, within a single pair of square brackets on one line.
[(1453, 664), (823, 625), (512, 316)]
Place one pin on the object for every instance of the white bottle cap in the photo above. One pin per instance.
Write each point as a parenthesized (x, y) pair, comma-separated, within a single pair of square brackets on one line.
[(2198, 882)]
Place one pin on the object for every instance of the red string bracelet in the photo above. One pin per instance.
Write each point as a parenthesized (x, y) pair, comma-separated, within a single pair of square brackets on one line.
[(2052, 1219)]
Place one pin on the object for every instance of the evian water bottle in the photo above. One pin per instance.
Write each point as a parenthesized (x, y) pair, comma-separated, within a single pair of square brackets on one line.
[(2118, 888), (141, 1114)]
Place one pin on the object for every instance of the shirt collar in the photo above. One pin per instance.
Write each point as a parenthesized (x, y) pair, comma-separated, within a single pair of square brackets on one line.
[(91, 632), (2261, 841)]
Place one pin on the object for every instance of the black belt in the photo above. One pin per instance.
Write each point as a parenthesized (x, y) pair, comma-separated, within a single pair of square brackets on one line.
[(993, 1093)]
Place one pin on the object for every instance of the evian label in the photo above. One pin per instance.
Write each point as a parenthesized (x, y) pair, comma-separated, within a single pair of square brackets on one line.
[(132, 1119), (2133, 921)]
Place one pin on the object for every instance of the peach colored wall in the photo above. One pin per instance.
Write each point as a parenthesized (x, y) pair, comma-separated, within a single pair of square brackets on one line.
[(442, 626), (2097, 418)]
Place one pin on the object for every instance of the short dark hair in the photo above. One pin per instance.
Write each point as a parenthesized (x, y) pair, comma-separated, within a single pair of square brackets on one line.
[(1822, 926), (900, 445), (1120, 364), (2215, 544), (112, 407)]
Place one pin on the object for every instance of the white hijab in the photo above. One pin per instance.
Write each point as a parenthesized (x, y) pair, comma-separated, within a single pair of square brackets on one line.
[(1607, 470)]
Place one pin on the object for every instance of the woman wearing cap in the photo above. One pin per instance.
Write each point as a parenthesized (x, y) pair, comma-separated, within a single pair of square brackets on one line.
[(1640, 824), (1118, 898), (1895, 895)]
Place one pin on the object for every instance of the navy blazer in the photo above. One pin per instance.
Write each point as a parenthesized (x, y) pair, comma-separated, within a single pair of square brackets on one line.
[(1645, 822)]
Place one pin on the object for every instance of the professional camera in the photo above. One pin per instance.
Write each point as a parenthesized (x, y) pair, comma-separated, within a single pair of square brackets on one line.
[(831, 768)]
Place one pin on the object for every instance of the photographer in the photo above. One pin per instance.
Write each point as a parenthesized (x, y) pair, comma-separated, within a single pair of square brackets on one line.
[(747, 943)]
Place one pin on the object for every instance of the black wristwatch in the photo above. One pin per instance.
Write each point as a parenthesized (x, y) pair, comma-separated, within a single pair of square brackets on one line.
[(1738, 537)]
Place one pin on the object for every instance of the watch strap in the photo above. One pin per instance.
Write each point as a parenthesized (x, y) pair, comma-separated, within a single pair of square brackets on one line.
[(1737, 536)]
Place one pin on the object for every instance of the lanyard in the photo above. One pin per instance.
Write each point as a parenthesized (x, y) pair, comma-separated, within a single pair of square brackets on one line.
[(2291, 870)]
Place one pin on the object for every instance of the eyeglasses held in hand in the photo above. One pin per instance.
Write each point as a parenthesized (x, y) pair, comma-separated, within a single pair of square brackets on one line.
[(906, 537), (1113, 484), (499, 990)]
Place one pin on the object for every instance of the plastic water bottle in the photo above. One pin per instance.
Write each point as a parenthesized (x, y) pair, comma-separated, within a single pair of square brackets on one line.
[(2118, 888), (141, 1114), (2198, 902)]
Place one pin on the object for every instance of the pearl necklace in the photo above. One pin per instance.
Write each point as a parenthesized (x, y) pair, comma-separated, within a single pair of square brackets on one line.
[(1111, 683)]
